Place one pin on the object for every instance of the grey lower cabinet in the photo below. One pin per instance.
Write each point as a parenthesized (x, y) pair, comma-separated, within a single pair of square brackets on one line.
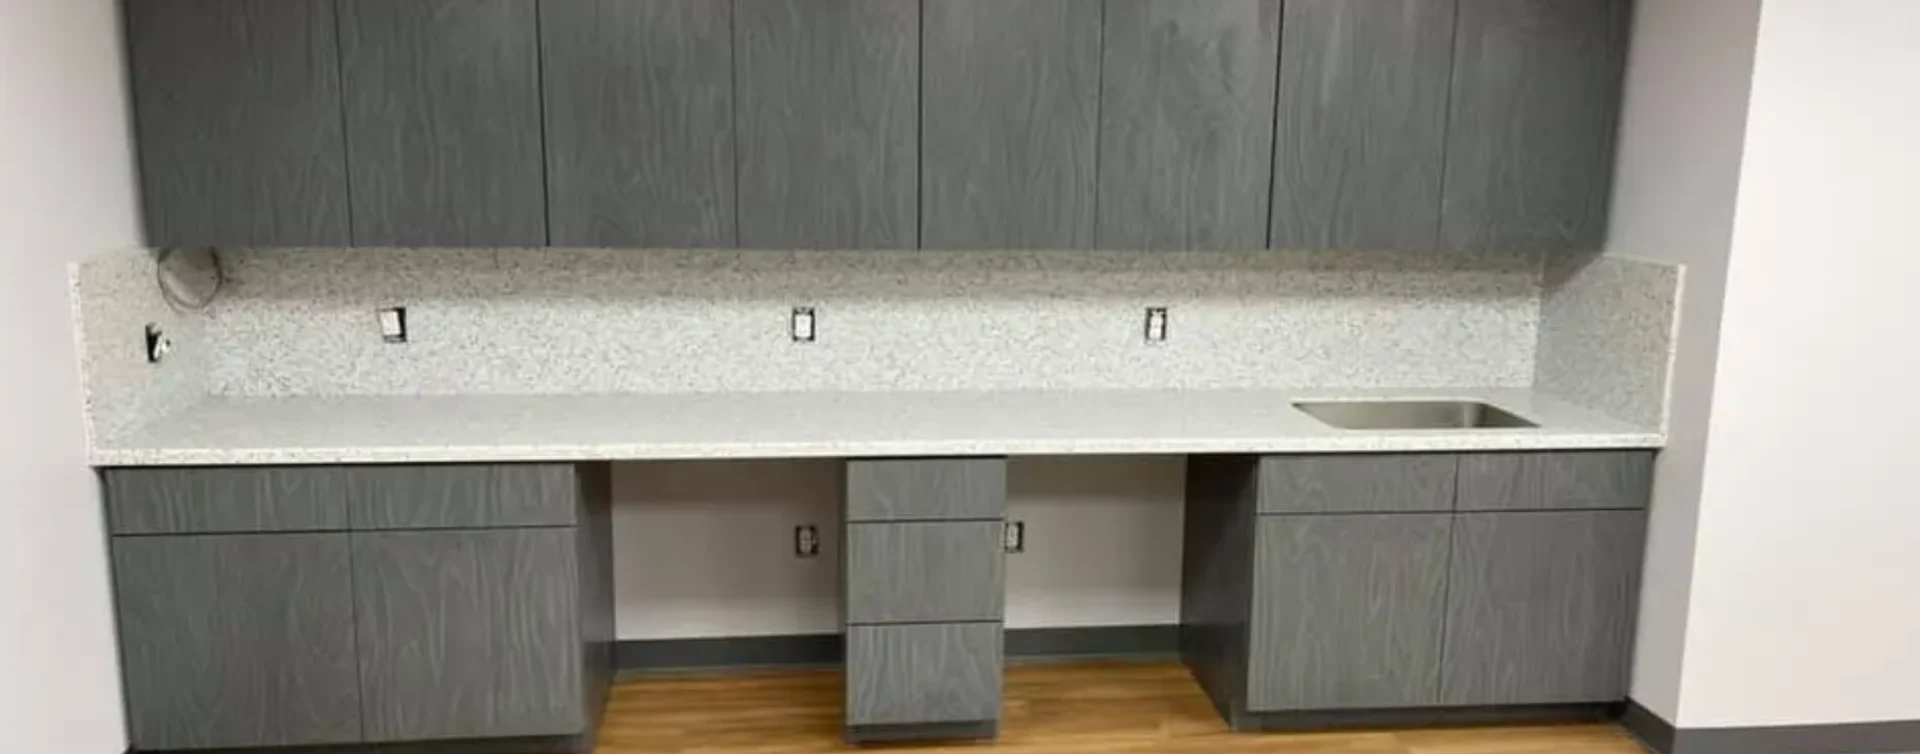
[(237, 640), (348, 629), (1349, 613), (1542, 607), (1399, 589), (925, 597)]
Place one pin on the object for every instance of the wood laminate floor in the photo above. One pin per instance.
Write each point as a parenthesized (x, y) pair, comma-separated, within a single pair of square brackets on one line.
[(1050, 709)]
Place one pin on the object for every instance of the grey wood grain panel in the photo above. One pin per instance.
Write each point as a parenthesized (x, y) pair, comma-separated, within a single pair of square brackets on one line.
[(1347, 611), (237, 116), (1009, 123), (1541, 607), (1357, 483), (639, 113), (1216, 576), (469, 634), (927, 673), (1559, 480), (828, 122), (1361, 123), (237, 640), (462, 495), (1535, 105), (932, 488), (442, 103), (230, 499), (925, 572), (593, 541), (1186, 123)]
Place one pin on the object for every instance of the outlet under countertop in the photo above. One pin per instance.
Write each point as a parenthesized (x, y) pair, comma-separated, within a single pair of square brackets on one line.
[(476, 428)]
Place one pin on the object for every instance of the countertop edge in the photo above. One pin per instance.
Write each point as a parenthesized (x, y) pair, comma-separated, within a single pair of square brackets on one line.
[(1358, 442)]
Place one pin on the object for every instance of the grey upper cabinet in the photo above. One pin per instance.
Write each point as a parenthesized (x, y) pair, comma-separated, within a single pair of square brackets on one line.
[(469, 634), (1556, 481), (237, 640), (1360, 123), (1186, 123), (1009, 118), (442, 106), (237, 115), (1541, 607), (639, 117), (827, 95), (1347, 611), (1530, 132)]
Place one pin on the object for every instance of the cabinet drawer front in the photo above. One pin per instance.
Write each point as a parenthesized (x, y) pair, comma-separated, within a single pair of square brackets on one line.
[(1556, 481), (925, 572), (929, 673), (462, 496), (240, 640), (235, 499), (945, 488), (1356, 484), (1347, 611)]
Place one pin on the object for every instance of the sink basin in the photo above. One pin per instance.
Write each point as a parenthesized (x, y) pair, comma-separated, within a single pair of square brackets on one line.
[(1413, 415)]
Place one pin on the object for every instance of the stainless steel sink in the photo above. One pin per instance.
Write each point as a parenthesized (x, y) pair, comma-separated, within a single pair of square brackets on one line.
[(1413, 415)]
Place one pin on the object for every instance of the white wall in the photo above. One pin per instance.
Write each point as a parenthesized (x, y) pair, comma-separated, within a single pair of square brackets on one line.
[(705, 548), (66, 190), (1806, 582), (1681, 135)]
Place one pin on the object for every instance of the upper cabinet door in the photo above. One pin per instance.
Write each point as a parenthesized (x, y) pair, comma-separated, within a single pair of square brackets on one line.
[(1360, 125), (1536, 100), (828, 122), (1009, 119), (443, 122), (237, 110), (639, 107), (1186, 124)]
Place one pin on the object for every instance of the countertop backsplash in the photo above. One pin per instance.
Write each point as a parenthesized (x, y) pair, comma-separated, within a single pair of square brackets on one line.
[(589, 321), (297, 323)]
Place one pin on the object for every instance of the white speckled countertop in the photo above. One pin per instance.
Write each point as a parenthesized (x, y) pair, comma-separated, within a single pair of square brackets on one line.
[(407, 429)]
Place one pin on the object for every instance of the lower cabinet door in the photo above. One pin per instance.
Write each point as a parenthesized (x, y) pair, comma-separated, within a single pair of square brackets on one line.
[(1347, 611), (240, 640), (923, 673), (469, 633), (1541, 607)]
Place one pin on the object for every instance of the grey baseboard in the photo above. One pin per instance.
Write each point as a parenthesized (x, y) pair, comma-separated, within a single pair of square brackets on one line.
[(523, 745), (653, 655), (873, 734), (1422, 717), (1848, 738)]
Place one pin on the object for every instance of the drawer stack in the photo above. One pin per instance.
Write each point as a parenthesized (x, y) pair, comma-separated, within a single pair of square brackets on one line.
[(925, 605)]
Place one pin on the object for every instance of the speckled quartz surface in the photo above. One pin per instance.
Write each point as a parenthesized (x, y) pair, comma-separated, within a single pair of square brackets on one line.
[(373, 429)]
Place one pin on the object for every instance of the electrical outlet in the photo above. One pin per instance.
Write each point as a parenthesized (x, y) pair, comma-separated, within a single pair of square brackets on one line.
[(806, 541), (158, 344), (1015, 537), (1156, 329), (801, 327), (393, 324)]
